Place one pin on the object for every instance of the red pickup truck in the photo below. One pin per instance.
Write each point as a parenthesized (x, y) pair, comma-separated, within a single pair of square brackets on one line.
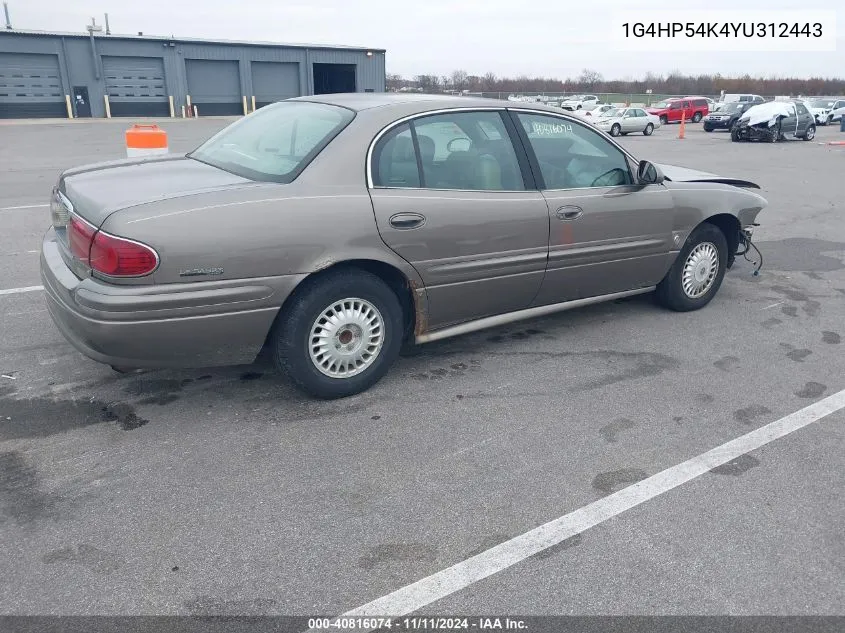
[(672, 110)]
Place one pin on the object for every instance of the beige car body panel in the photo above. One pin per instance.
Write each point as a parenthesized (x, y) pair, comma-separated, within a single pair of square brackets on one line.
[(479, 257)]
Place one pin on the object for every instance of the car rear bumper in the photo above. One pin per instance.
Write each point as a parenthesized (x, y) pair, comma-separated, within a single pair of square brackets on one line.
[(199, 324)]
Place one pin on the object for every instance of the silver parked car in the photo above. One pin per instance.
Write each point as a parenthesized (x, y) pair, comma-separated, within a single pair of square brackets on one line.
[(618, 121), (332, 229)]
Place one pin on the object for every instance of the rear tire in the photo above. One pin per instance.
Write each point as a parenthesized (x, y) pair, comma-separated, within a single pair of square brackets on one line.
[(698, 271), (648, 129), (351, 351), (696, 117), (810, 134)]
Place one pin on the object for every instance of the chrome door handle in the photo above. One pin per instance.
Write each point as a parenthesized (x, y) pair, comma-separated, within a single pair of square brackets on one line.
[(569, 213), (405, 221)]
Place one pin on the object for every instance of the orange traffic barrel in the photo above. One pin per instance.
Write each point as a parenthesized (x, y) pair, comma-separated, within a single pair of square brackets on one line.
[(145, 140)]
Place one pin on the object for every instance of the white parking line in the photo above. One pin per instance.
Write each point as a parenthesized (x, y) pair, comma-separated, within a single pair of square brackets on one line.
[(25, 206), (423, 592), (15, 291)]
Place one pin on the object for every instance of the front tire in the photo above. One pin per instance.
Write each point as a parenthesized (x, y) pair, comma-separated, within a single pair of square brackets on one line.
[(648, 129), (707, 128), (664, 119), (698, 271), (339, 334), (615, 129)]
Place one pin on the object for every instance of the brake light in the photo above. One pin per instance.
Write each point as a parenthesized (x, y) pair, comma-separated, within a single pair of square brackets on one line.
[(120, 257), (80, 234), (108, 254)]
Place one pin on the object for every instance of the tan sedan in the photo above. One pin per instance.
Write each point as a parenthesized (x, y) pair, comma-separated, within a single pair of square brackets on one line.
[(331, 229)]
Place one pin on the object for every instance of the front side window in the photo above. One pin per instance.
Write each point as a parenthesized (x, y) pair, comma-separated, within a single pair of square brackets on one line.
[(275, 143), (458, 150), (572, 156), (802, 109)]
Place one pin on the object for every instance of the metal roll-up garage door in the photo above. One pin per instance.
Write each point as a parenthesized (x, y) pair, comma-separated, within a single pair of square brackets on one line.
[(214, 86), (274, 81), (30, 86), (136, 86)]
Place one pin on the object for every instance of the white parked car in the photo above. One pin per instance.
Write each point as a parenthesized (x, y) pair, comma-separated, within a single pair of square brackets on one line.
[(837, 114), (580, 102), (599, 110), (822, 109), (734, 98), (617, 121)]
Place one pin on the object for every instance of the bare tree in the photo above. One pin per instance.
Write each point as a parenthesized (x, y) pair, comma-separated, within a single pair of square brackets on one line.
[(393, 81), (428, 83), (589, 78), (489, 82), (458, 80)]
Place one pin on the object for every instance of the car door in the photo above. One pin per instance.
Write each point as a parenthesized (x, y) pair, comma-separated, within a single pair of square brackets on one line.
[(607, 234), (789, 124), (453, 198), (676, 109), (805, 119), (642, 120), (629, 120)]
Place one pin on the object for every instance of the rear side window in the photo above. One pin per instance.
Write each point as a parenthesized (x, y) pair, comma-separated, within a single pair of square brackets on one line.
[(395, 161), (469, 151), (700, 103), (275, 143)]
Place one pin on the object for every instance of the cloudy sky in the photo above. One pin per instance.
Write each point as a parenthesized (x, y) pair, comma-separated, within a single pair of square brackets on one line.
[(553, 38)]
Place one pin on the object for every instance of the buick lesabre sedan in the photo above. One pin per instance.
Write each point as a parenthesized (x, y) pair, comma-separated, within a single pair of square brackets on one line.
[(332, 229)]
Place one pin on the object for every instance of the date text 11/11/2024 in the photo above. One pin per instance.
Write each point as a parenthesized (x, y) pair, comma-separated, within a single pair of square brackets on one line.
[(715, 30), (416, 624)]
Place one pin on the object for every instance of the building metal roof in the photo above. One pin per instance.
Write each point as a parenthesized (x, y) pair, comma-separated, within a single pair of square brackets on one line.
[(189, 40)]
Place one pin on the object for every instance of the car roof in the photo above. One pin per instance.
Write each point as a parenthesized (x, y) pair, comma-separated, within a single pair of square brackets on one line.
[(359, 101)]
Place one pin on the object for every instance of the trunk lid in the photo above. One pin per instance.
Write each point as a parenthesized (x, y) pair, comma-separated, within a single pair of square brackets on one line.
[(97, 191)]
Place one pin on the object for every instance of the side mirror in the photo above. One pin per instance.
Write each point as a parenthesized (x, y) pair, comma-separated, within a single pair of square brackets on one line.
[(649, 174)]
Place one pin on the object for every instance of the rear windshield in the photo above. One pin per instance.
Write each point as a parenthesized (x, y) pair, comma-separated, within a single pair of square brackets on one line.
[(276, 142)]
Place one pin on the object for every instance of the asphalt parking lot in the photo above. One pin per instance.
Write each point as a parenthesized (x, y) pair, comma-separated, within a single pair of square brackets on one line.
[(223, 491)]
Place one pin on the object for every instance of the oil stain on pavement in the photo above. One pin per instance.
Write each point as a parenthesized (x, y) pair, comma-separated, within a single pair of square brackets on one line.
[(397, 553), (43, 417), (611, 431), (736, 467), (748, 414), (88, 556), (21, 497), (610, 482), (811, 390)]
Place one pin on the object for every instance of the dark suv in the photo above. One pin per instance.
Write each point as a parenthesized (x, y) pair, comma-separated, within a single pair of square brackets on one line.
[(725, 118)]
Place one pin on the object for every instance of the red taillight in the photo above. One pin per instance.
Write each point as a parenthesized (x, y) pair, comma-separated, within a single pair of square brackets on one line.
[(80, 234), (108, 254), (121, 258)]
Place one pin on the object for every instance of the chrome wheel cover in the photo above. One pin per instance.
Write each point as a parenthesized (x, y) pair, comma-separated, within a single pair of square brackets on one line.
[(346, 338), (700, 270)]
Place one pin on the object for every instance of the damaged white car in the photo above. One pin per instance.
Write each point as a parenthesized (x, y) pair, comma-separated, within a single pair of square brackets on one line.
[(775, 121)]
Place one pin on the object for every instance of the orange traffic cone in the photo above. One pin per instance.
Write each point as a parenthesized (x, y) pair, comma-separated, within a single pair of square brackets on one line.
[(683, 126)]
